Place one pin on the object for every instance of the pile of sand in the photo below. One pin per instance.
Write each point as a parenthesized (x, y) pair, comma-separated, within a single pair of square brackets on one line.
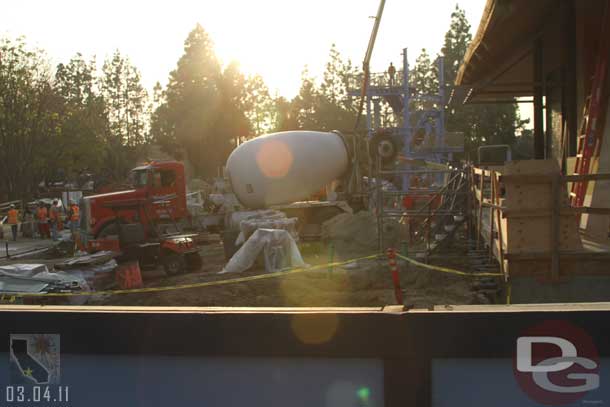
[(356, 235)]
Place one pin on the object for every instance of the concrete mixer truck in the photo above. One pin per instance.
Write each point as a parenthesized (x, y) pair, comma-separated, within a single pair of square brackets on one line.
[(283, 171)]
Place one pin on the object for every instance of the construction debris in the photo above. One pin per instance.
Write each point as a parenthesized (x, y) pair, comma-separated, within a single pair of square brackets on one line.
[(278, 248), (35, 278)]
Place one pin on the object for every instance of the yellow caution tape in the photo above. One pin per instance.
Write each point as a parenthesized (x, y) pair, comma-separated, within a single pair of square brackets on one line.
[(196, 285), (11, 297), (447, 270)]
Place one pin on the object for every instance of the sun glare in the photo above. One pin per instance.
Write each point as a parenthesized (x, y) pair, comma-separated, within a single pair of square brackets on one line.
[(273, 38)]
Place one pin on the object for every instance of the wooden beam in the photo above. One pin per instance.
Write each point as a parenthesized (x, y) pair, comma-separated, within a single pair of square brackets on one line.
[(587, 177), (546, 179), (563, 254), (525, 179), (538, 96), (496, 197), (480, 217), (592, 211), (491, 218), (555, 226), (569, 77)]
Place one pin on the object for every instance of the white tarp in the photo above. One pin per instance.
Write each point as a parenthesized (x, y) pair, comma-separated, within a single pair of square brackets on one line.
[(249, 222), (278, 247)]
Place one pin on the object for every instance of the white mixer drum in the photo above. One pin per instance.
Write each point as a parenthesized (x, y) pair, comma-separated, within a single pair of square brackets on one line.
[(286, 167)]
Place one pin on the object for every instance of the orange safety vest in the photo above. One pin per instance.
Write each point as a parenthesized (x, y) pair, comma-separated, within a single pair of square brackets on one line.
[(54, 213), (42, 214), (75, 214), (13, 214)]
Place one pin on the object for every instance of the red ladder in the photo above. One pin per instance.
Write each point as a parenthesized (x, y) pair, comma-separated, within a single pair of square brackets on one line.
[(590, 141)]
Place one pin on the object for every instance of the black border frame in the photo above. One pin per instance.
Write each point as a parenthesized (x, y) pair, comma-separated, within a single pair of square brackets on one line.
[(407, 342)]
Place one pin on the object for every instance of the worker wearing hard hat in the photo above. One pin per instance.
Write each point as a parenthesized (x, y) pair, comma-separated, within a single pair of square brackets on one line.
[(74, 216), (42, 215), (391, 73), (13, 220)]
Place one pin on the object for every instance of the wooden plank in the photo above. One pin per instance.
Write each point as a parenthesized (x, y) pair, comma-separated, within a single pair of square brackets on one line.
[(563, 254), (492, 205), (526, 179), (533, 213), (481, 171), (499, 220), (530, 206), (545, 179), (586, 177), (541, 213), (594, 211)]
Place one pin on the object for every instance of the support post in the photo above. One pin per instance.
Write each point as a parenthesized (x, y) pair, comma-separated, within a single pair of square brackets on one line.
[(379, 187), (491, 216), (480, 217), (496, 201), (428, 230), (555, 219), (377, 113), (569, 80), (538, 102), (441, 96), (406, 114)]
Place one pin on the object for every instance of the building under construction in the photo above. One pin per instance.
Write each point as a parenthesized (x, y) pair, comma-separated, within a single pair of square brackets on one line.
[(546, 220)]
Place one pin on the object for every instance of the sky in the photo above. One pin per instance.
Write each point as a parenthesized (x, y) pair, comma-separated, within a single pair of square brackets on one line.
[(273, 38)]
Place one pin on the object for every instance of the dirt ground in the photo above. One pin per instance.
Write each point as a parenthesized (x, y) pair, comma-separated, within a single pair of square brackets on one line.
[(363, 284)]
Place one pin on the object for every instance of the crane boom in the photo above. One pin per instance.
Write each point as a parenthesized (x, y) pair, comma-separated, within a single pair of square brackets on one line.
[(367, 60)]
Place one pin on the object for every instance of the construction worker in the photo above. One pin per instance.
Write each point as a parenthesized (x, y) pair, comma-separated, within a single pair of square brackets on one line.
[(28, 227), (74, 216), (54, 219), (391, 73), (13, 220), (43, 220)]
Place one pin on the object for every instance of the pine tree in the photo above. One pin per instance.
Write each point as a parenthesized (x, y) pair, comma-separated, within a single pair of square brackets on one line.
[(82, 113), (306, 102), (424, 76), (28, 122), (332, 87), (457, 40), (126, 101), (480, 124), (259, 105), (202, 111)]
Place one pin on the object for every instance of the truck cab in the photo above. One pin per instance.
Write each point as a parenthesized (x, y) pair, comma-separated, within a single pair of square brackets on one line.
[(160, 185)]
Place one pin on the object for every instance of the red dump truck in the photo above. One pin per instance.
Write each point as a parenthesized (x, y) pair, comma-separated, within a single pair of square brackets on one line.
[(159, 185), (143, 221)]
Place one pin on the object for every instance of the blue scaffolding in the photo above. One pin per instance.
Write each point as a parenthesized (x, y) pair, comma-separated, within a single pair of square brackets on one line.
[(418, 126), (420, 117)]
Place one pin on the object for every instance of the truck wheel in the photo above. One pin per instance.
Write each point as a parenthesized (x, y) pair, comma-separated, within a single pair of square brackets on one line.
[(173, 264)]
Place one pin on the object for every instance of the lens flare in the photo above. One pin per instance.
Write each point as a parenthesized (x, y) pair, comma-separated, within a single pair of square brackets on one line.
[(314, 329), (274, 159), (364, 394)]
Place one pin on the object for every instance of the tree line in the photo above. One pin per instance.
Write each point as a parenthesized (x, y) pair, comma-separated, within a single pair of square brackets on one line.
[(61, 121), (57, 123)]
